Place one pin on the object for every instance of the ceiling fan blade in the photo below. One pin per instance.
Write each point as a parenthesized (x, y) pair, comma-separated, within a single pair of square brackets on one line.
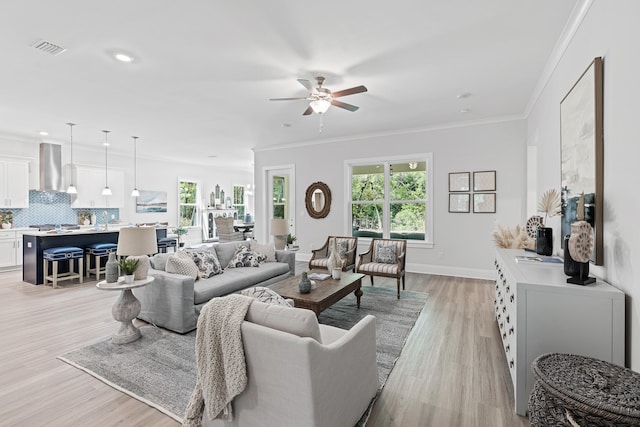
[(307, 84), (285, 99), (351, 91), (344, 105), (308, 111)]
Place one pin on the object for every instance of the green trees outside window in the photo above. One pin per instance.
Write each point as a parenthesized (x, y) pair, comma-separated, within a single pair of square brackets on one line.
[(188, 203)]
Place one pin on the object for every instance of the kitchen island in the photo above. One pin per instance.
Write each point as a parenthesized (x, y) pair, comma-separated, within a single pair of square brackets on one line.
[(35, 242)]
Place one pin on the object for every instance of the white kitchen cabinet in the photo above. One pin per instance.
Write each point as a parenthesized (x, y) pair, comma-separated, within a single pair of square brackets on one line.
[(538, 312), (10, 248), (90, 181), (14, 183)]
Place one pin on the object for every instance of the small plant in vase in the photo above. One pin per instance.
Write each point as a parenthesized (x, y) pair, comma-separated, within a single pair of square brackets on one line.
[(180, 231), (291, 241), (7, 219), (84, 218), (128, 267)]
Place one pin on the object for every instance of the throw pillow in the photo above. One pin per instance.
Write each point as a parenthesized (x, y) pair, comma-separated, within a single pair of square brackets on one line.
[(386, 253), (207, 263), (159, 261), (265, 295), (269, 251), (244, 257), (181, 263)]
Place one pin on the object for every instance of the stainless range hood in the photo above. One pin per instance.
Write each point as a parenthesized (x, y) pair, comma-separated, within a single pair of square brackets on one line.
[(50, 167)]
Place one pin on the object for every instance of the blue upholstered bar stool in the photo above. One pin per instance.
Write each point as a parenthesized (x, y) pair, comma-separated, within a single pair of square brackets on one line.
[(165, 243), (97, 250), (65, 253)]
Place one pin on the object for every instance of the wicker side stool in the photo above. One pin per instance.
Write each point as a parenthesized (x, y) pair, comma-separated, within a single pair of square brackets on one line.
[(573, 390)]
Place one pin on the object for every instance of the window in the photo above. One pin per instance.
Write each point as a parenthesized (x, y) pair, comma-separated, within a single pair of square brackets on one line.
[(188, 203), (390, 199), (279, 197), (239, 203)]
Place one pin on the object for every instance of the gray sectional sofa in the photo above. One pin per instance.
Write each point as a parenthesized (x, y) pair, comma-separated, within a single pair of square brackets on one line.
[(173, 301)]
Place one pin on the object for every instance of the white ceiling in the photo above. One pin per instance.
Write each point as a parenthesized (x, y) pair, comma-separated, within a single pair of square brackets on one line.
[(205, 69)]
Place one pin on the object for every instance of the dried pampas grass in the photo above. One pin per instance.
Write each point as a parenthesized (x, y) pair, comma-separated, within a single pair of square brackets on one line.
[(512, 238)]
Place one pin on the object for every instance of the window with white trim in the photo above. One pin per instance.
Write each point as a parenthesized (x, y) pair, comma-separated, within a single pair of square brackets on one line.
[(239, 201), (391, 198), (188, 203)]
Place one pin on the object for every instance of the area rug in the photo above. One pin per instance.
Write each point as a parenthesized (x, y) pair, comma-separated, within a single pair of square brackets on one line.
[(159, 368)]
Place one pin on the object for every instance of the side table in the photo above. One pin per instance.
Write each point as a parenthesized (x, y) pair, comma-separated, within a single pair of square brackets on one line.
[(125, 309)]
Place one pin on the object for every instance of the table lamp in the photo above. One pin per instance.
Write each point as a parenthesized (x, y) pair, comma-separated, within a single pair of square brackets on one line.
[(279, 231), (138, 243)]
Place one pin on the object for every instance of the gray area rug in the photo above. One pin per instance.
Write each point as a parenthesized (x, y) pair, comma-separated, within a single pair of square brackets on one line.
[(159, 368)]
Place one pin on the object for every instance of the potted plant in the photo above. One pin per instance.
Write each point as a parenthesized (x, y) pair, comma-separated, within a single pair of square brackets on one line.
[(128, 267), (291, 241), (84, 218), (180, 231), (7, 219)]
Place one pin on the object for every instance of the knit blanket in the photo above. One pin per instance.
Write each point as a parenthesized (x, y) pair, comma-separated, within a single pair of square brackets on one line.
[(221, 366)]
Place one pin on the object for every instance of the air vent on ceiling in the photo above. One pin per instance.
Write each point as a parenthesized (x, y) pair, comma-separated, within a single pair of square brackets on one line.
[(48, 47)]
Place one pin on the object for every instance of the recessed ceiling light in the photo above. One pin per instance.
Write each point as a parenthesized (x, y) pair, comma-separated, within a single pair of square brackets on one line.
[(465, 110), (211, 156), (463, 95), (286, 125), (123, 57), (43, 133)]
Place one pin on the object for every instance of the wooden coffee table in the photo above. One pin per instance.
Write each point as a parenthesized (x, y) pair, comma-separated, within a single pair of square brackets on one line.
[(326, 293)]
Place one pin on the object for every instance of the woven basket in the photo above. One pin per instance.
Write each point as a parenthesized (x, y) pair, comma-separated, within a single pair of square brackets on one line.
[(575, 390)]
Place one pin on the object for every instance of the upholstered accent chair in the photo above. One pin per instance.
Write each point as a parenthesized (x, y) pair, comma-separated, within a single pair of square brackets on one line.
[(346, 247), (302, 373), (385, 258), (226, 232)]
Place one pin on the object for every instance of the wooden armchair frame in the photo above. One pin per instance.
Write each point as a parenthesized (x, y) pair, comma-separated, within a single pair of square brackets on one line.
[(367, 258), (347, 264)]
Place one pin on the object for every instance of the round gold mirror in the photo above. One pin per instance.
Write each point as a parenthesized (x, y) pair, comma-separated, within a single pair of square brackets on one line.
[(318, 200)]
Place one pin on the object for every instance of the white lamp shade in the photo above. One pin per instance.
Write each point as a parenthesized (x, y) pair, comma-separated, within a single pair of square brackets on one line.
[(320, 105), (279, 227), (137, 241)]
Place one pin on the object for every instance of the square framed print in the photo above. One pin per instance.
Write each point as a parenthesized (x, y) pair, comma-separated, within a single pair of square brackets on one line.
[(459, 203), (484, 203), (484, 181), (459, 181)]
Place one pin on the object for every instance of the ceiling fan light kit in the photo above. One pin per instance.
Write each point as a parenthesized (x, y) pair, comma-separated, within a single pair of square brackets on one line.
[(322, 98)]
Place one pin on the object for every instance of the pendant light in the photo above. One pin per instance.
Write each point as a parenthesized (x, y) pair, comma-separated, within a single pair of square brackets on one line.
[(106, 191), (72, 188), (135, 192)]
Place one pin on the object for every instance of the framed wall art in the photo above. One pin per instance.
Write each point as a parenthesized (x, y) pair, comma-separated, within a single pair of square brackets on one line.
[(582, 148), (459, 203), (484, 181), (459, 181), (151, 201), (484, 203)]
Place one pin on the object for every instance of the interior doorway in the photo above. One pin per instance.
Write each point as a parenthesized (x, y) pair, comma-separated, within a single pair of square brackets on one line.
[(280, 201)]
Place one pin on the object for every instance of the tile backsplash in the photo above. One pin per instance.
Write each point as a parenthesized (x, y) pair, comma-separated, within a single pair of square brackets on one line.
[(49, 207)]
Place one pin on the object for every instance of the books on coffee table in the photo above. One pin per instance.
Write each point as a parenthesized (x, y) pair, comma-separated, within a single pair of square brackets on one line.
[(318, 276)]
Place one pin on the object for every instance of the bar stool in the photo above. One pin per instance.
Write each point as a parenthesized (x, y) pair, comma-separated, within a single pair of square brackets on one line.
[(97, 250), (165, 243), (65, 253)]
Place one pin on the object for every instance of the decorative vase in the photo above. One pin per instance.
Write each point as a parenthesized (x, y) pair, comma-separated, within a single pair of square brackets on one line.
[(305, 284), (544, 241), (335, 273), (334, 260), (86, 222), (571, 267), (111, 268), (94, 220), (6, 225)]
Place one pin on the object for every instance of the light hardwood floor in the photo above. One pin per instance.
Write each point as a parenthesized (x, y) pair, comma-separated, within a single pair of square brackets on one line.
[(452, 371)]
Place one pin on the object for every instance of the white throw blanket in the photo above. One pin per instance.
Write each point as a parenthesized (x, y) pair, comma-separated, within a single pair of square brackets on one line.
[(222, 369)]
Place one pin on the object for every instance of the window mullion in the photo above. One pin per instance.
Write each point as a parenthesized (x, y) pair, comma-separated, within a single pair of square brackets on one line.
[(386, 226)]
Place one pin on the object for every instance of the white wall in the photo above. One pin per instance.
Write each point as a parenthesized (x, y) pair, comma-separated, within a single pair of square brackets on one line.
[(462, 242), (609, 30)]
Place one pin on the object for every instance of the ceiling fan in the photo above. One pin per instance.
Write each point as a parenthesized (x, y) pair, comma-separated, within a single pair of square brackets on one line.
[(322, 98)]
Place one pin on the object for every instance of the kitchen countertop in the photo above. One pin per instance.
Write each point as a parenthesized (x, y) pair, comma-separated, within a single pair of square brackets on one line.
[(113, 228)]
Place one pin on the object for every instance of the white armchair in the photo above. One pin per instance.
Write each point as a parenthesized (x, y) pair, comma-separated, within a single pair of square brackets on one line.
[(301, 373)]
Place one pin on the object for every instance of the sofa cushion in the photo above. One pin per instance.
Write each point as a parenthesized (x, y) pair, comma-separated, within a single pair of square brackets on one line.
[(386, 253), (268, 250), (207, 263), (181, 263), (235, 279), (265, 295), (159, 261), (225, 251), (244, 257), (297, 321)]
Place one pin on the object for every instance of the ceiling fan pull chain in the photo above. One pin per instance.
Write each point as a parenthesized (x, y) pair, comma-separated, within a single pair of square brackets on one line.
[(321, 123)]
